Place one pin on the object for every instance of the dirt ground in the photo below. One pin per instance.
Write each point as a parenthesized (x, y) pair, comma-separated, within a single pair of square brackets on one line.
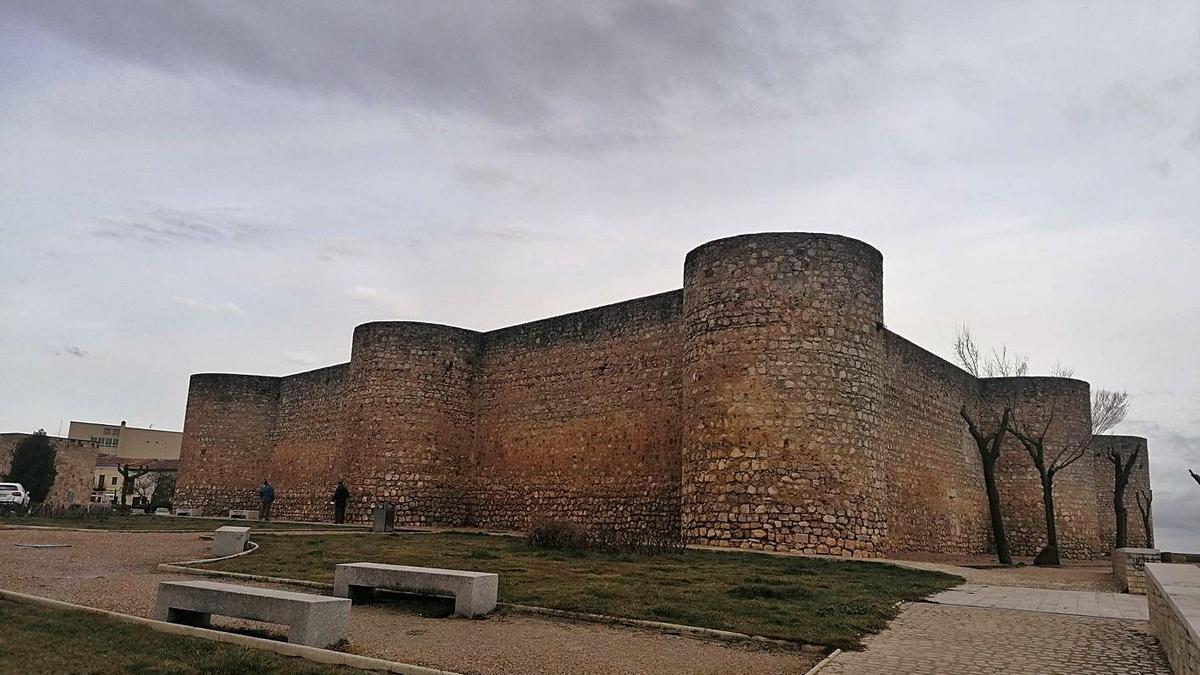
[(1073, 575), (116, 571)]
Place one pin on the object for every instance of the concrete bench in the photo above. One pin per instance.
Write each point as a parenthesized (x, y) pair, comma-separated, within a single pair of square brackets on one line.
[(229, 540), (474, 592), (189, 512), (313, 620), (246, 514)]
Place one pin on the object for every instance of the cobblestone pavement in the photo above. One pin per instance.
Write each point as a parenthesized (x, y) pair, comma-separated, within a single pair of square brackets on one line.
[(1084, 603), (930, 639)]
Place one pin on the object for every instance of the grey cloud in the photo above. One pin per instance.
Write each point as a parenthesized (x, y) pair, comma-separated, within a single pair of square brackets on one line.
[(517, 64), (515, 233), (343, 247), (161, 225), (72, 351), (228, 308), (484, 176)]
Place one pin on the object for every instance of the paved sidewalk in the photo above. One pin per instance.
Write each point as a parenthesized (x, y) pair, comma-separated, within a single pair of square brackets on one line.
[(931, 639), (1082, 603)]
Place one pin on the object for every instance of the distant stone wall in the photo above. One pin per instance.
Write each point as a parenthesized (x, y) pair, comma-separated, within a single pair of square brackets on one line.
[(75, 462), (1139, 481), (578, 419), (228, 440), (936, 499), (764, 405)]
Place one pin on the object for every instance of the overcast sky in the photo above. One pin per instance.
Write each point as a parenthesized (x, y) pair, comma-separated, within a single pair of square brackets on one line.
[(233, 186)]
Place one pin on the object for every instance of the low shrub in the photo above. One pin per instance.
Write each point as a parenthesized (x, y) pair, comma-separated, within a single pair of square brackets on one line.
[(560, 535), (72, 512)]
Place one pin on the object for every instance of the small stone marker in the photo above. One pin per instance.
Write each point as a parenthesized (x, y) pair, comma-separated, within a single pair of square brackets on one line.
[(230, 540), (243, 514), (385, 518)]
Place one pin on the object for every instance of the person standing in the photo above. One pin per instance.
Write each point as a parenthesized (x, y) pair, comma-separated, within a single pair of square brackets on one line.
[(266, 495), (340, 496)]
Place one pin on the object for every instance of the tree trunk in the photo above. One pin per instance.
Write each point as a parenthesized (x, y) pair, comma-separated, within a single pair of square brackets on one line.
[(1122, 539), (993, 496), (1147, 525), (1051, 529)]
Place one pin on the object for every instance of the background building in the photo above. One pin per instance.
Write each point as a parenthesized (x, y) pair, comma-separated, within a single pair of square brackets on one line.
[(126, 441)]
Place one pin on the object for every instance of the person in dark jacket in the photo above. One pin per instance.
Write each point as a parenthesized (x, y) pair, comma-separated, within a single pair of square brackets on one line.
[(266, 495), (340, 496)]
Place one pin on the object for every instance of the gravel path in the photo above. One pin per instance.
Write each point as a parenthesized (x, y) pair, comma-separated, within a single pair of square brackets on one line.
[(116, 571)]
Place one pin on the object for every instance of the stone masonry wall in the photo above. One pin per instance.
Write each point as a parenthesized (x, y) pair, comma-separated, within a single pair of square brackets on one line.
[(936, 499), (762, 406), (782, 387), (304, 465), (228, 439), (578, 420), (1139, 481), (74, 461)]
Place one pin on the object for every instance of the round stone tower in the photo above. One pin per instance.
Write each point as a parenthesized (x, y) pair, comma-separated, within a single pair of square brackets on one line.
[(782, 380), (1061, 407), (409, 418)]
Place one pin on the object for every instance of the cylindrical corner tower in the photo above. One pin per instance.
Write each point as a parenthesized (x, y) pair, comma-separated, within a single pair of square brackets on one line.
[(409, 419), (783, 368), (1061, 409), (227, 442)]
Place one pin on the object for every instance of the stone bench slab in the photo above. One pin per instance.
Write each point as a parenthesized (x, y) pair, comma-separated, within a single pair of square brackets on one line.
[(474, 592), (313, 620), (246, 514)]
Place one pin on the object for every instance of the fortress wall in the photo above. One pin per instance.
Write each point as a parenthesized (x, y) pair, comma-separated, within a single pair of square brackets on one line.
[(1068, 403), (227, 441), (409, 420), (74, 464), (935, 495), (304, 464), (578, 420), (781, 391), (1139, 480)]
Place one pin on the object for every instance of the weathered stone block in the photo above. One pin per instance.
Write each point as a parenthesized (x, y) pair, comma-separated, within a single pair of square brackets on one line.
[(230, 540)]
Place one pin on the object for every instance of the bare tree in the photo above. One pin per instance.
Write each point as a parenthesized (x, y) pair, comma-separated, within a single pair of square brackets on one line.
[(130, 476), (989, 451), (1144, 499), (1122, 468), (989, 441), (1109, 409), (144, 484), (1048, 464)]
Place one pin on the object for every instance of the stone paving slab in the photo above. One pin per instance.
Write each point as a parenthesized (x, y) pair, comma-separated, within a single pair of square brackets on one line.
[(932, 639), (1081, 603)]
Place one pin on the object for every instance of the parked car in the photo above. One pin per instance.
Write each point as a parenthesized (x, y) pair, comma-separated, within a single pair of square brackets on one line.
[(13, 496)]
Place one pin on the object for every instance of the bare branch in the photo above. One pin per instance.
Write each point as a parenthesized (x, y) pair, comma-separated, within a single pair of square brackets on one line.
[(1109, 409), (1059, 370), (966, 350), (1003, 364)]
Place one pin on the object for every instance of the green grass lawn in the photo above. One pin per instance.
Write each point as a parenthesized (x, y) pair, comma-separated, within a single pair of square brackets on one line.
[(35, 639), (164, 523), (817, 601)]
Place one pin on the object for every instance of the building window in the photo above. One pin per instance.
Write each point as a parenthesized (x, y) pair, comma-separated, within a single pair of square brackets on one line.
[(114, 480)]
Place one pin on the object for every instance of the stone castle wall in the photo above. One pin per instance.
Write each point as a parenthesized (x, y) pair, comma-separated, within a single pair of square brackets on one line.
[(74, 462), (764, 405)]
